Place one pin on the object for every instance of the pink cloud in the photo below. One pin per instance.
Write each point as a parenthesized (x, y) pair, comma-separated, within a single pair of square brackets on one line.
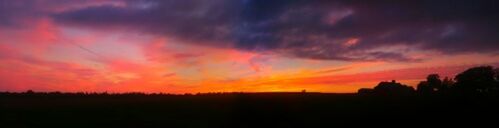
[(23, 73)]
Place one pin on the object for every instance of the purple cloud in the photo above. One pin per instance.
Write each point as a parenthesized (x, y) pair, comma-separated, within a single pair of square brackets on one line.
[(305, 29)]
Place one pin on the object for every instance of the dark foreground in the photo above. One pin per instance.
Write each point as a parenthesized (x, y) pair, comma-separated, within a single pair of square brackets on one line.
[(243, 110)]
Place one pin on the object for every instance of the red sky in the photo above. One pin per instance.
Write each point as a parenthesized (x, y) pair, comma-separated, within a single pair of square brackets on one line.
[(151, 46)]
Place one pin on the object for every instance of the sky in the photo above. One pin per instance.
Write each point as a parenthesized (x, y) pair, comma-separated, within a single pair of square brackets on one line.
[(190, 46)]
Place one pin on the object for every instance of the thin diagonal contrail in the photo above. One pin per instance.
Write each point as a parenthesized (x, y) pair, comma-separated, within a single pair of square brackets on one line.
[(86, 49)]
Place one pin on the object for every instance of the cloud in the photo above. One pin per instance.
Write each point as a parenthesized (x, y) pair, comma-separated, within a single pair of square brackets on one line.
[(22, 72), (326, 71), (170, 75), (321, 29)]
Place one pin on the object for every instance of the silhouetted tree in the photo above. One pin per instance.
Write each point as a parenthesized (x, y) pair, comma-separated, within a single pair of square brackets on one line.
[(434, 82), (431, 85), (393, 88), (424, 88), (476, 80), (30, 92), (447, 83)]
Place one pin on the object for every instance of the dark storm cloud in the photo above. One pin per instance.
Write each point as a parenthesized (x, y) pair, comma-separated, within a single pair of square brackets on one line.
[(22, 13), (208, 21), (12, 12), (331, 30)]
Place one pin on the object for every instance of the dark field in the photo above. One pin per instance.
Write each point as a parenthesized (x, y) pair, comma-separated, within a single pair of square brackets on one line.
[(242, 110)]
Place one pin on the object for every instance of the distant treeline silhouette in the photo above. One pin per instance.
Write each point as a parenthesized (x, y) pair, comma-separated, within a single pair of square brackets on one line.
[(482, 80)]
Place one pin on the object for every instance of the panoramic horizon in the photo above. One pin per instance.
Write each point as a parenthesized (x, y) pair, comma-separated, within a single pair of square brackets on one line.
[(191, 46), (248, 63)]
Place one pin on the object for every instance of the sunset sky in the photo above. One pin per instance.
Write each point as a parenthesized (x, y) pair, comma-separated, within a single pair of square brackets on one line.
[(190, 46)]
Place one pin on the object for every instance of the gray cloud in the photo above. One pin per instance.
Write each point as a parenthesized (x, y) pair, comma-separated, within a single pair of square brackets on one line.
[(308, 29)]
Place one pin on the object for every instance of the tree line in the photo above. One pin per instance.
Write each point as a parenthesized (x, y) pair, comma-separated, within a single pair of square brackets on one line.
[(482, 80)]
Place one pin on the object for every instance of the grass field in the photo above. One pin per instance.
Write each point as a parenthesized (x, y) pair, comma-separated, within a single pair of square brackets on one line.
[(239, 110)]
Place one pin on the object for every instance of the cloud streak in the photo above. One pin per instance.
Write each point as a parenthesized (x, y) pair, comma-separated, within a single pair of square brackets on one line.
[(309, 29)]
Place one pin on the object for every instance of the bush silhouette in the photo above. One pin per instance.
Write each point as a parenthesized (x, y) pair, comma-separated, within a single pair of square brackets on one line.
[(393, 88)]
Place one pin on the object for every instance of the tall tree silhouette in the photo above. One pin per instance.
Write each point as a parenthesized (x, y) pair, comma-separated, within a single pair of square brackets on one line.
[(477, 80), (434, 82), (431, 85)]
